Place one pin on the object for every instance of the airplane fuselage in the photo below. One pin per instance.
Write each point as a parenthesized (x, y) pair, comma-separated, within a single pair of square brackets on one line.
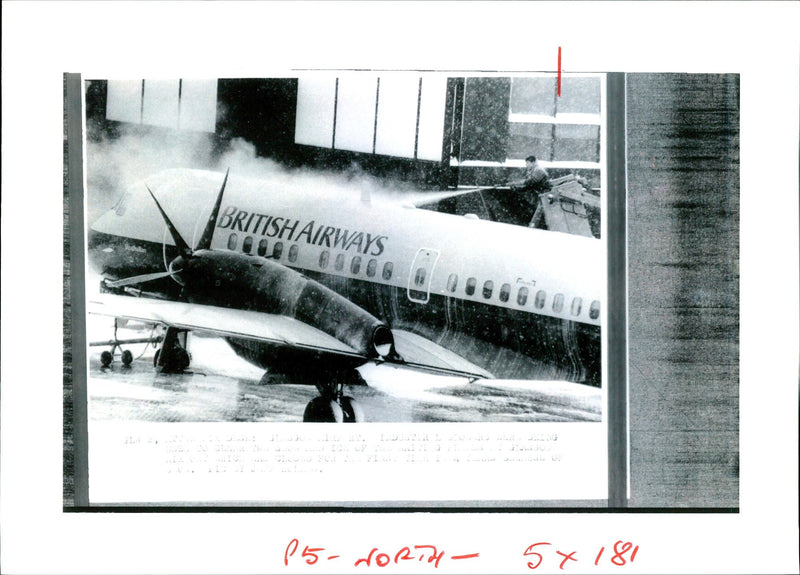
[(518, 302)]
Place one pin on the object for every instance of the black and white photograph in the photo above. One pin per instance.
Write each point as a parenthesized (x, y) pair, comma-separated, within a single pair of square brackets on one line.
[(355, 247), (355, 287), (344, 248)]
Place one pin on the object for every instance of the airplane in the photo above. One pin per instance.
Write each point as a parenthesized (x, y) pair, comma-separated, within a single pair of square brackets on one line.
[(310, 285)]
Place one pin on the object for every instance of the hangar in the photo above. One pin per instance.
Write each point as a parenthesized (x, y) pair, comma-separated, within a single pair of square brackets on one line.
[(432, 130)]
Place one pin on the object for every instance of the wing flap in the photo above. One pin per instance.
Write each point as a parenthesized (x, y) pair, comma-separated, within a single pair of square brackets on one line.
[(224, 322), (418, 351)]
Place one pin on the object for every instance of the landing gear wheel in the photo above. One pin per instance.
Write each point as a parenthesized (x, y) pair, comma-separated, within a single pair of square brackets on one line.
[(182, 359), (352, 410), (175, 361), (106, 358), (127, 358), (323, 410)]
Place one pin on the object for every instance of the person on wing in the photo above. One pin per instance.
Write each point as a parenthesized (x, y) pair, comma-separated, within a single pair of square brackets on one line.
[(537, 182)]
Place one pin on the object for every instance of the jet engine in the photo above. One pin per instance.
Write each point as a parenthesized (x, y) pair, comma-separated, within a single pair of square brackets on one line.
[(260, 284)]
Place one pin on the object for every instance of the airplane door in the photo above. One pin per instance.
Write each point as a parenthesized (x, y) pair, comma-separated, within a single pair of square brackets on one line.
[(419, 280)]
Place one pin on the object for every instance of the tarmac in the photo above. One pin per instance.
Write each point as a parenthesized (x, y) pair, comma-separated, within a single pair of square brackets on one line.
[(221, 387)]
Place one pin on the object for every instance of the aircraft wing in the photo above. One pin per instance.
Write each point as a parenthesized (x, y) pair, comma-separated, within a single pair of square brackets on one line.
[(422, 353), (223, 322), (416, 351)]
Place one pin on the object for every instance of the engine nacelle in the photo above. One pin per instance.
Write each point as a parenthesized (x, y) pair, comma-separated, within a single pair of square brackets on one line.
[(254, 283)]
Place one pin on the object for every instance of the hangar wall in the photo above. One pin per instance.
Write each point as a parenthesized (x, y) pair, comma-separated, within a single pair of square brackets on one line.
[(429, 129)]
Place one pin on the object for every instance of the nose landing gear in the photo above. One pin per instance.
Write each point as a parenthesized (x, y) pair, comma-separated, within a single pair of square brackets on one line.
[(107, 356)]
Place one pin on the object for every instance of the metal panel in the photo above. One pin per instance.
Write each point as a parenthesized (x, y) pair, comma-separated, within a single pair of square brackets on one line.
[(124, 101), (160, 106), (316, 100), (431, 118), (198, 105), (395, 127), (355, 113)]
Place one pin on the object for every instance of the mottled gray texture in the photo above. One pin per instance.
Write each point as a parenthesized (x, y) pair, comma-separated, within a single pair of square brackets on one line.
[(683, 255)]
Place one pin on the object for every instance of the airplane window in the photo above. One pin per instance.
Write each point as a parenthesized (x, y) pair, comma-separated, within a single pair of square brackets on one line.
[(277, 250), (387, 270), (371, 267), (541, 295), (247, 245), (488, 287), (232, 239), (262, 248), (293, 253), (576, 305), (558, 302), (505, 291), (452, 282), (339, 264), (470, 289), (419, 277), (323, 259), (594, 310), (355, 265), (522, 296)]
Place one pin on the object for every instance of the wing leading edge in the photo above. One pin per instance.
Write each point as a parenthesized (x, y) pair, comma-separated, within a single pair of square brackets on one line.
[(416, 351), (223, 322)]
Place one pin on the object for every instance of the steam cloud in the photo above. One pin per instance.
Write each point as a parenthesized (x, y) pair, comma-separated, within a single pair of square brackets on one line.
[(116, 163)]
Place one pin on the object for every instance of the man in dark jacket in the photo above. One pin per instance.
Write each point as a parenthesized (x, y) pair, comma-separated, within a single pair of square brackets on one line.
[(536, 178), (538, 182)]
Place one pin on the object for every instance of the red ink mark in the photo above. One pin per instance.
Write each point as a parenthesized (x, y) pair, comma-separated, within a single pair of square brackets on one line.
[(403, 555), (470, 556), (619, 553), (287, 553), (382, 559), (434, 558), (529, 551), (600, 554), (310, 555), (567, 557), (333, 557), (559, 71), (367, 559)]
